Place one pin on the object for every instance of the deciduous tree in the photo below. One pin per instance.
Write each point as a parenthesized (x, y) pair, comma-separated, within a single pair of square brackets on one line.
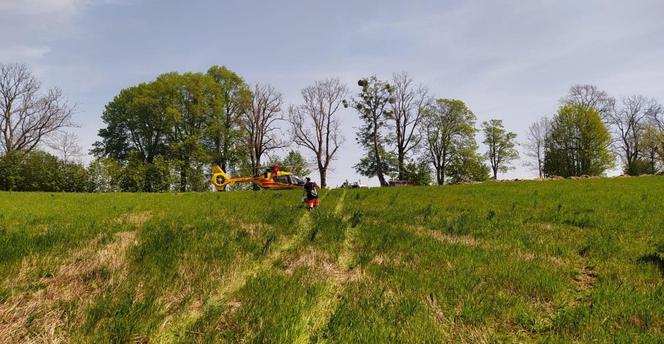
[(467, 165), (537, 134), (578, 143), (224, 132), (261, 134), (190, 100), (294, 162), (418, 173), (373, 106), (315, 124), (165, 120), (66, 144), (589, 96), (629, 122), (27, 115), (136, 121), (410, 103), (501, 146), (653, 148), (448, 127)]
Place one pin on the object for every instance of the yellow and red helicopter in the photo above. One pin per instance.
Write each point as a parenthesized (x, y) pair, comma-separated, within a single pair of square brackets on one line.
[(269, 180)]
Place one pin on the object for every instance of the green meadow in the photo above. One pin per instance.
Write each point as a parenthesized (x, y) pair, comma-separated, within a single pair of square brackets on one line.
[(531, 261)]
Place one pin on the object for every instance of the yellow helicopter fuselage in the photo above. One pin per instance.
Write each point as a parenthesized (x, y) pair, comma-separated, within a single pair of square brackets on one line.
[(282, 181)]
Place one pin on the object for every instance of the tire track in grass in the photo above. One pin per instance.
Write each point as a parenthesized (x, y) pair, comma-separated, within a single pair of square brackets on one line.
[(314, 321), (472, 242), (236, 281)]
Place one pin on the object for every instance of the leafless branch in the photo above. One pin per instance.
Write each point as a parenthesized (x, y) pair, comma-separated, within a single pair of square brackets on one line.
[(591, 96), (629, 122), (536, 139), (26, 116), (259, 122), (314, 124), (410, 103), (66, 144)]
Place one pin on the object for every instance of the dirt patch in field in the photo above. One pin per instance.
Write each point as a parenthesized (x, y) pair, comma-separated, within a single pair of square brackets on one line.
[(320, 263), (525, 255), (382, 259), (137, 219), (585, 278), (45, 314), (557, 261), (253, 229), (469, 241), (464, 240)]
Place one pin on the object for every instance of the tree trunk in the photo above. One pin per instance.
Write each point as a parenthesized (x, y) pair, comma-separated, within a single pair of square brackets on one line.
[(381, 178), (323, 178), (539, 161), (401, 167), (379, 161), (224, 156), (183, 178)]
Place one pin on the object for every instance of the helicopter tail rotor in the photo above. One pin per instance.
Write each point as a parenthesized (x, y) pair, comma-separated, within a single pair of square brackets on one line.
[(219, 178)]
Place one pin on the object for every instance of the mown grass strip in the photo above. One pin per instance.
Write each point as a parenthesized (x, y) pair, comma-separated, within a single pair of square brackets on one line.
[(240, 278), (314, 321)]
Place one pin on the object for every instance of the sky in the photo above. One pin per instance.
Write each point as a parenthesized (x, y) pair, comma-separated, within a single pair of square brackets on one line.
[(510, 59)]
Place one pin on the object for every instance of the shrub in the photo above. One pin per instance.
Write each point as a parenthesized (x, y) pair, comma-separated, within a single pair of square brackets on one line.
[(41, 171)]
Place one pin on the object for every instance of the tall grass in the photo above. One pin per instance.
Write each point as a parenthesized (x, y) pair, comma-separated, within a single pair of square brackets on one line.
[(558, 261)]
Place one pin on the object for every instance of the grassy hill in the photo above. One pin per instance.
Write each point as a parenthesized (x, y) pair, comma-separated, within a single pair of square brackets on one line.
[(556, 261)]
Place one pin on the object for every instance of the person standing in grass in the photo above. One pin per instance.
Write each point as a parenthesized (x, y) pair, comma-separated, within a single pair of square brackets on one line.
[(311, 193)]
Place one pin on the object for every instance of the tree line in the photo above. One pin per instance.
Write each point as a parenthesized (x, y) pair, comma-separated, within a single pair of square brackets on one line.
[(592, 131), (163, 135)]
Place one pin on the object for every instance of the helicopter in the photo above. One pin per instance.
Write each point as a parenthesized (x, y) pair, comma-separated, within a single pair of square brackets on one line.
[(268, 180)]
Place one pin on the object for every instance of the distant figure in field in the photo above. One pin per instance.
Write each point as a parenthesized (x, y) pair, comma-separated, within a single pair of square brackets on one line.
[(311, 193), (274, 170)]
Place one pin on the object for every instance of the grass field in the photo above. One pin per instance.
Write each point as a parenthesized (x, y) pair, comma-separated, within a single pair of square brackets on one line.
[(556, 261)]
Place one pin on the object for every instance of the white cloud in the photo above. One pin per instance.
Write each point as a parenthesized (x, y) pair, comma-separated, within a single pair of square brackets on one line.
[(40, 7)]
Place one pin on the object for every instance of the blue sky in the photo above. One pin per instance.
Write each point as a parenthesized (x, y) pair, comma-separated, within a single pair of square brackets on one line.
[(512, 60)]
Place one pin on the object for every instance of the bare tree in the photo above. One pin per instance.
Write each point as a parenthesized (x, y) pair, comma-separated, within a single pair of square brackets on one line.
[(590, 96), (26, 116), (656, 115), (314, 124), (536, 136), (410, 103), (259, 123), (66, 144), (629, 123)]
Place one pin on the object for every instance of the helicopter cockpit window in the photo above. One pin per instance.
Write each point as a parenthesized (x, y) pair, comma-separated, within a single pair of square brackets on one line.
[(295, 180), (281, 179)]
